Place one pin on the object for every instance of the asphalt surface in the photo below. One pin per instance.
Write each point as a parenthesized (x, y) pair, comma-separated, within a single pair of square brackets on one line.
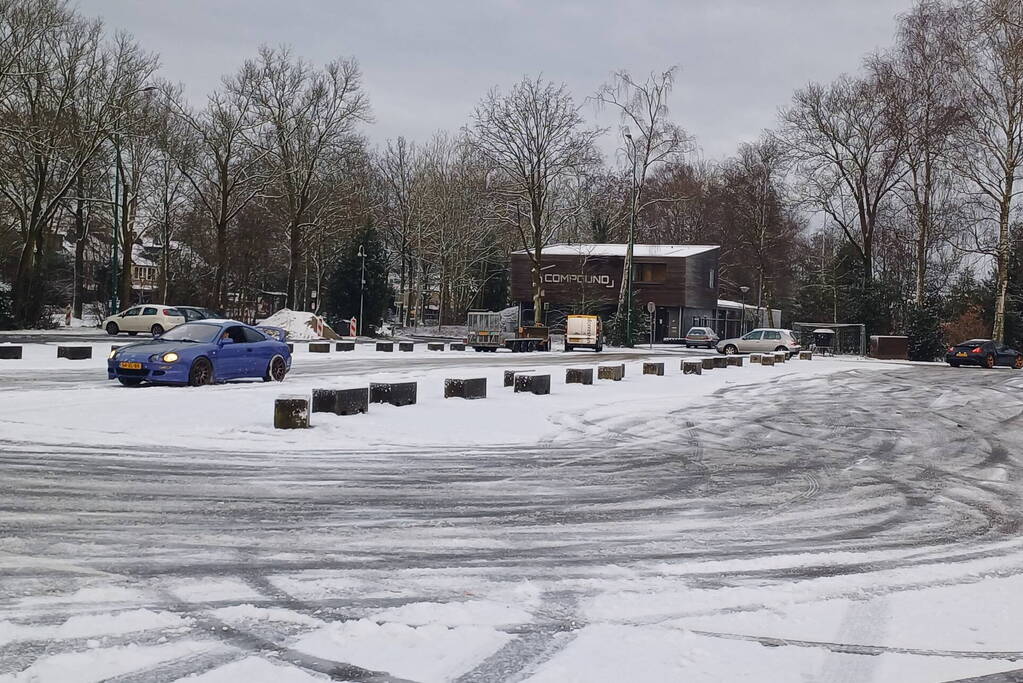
[(915, 458)]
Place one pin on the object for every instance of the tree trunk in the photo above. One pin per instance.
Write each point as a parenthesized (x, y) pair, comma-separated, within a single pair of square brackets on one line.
[(294, 263), (219, 295), (81, 232), (1002, 287)]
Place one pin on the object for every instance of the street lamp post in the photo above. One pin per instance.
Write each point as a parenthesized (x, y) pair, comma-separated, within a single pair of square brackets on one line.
[(742, 324), (630, 247), (362, 286), (114, 279)]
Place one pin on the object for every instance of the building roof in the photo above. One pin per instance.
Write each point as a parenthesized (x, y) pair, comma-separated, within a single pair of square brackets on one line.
[(725, 303), (641, 250)]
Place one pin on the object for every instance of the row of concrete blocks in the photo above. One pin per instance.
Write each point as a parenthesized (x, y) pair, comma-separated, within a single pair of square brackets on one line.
[(292, 412), (386, 347), (13, 352)]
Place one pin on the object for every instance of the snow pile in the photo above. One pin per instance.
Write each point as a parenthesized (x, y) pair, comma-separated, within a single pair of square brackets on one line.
[(301, 325)]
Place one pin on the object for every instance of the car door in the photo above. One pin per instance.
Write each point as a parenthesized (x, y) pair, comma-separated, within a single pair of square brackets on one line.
[(261, 350), (1006, 356), (771, 340), (128, 321), (748, 342), (234, 355), (146, 318)]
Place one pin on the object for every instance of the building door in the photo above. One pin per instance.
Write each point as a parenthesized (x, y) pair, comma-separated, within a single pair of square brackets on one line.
[(662, 324)]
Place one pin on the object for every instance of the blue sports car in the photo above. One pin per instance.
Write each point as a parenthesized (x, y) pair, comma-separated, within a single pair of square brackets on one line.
[(203, 352)]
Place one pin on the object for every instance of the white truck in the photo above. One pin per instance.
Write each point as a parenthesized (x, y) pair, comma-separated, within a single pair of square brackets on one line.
[(584, 331)]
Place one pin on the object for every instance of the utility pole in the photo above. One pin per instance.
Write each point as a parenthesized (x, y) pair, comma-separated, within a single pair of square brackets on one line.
[(116, 229), (632, 241), (362, 287), (742, 324)]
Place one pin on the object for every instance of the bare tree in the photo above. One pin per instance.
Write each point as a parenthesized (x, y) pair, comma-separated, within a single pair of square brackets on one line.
[(305, 117), (58, 109), (400, 179), (224, 170), (535, 140), (753, 191), (918, 78), (848, 156), (988, 150), (657, 141)]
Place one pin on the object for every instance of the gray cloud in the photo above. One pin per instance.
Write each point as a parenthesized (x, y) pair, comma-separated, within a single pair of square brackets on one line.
[(426, 64)]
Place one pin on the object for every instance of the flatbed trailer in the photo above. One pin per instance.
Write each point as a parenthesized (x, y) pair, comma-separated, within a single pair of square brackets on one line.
[(486, 333)]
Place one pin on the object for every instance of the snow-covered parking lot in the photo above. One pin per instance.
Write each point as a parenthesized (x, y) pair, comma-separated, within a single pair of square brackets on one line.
[(830, 520)]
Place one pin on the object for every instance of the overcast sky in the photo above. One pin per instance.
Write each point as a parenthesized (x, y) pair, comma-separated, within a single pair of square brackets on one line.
[(426, 63)]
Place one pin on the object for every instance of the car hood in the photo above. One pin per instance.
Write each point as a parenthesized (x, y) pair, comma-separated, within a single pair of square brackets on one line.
[(148, 348)]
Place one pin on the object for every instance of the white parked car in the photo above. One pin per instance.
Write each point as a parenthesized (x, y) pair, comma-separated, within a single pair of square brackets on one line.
[(152, 318), (761, 340)]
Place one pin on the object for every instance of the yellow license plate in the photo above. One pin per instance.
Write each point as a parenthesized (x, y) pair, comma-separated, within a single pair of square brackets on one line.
[(484, 334), (130, 366), (961, 354)]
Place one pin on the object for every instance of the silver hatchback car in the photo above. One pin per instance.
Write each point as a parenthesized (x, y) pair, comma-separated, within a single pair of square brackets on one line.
[(761, 340), (701, 336)]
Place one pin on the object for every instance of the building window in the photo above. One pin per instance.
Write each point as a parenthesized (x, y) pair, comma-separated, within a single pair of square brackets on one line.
[(144, 273), (711, 285), (650, 272)]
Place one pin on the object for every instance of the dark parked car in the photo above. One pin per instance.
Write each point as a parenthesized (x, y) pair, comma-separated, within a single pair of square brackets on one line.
[(198, 313), (985, 353)]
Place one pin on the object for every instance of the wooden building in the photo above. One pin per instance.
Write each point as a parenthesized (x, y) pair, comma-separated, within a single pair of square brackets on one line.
[(681, 281)]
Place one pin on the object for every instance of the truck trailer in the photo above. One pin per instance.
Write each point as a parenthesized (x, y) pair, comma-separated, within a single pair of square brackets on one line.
[(486, 332)]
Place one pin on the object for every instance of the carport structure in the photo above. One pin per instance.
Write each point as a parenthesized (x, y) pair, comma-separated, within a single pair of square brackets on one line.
[(833, 338)]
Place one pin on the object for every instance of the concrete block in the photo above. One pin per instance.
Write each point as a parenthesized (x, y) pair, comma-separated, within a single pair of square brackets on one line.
[(579, 376), (291, 412), (692, 367), (8, 352), (653, 369), (611, 372), (533, 384), (74, 352), (466, 388), (395, 393)]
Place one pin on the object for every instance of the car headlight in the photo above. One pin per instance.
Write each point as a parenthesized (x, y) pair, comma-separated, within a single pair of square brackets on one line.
[(169, 357), (113, 352)]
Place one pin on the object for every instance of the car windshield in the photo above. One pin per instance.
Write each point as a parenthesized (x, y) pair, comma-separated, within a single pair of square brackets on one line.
[(973, 342), (193, 332)]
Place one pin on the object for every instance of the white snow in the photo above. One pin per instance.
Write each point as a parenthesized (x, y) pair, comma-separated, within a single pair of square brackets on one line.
[(430, 654), (254, 669), (300, 325), (100, 664), (643, 250), (92, 625), (425, 540)]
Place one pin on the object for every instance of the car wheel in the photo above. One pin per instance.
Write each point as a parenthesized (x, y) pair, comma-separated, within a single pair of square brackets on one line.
[(156, 330), (781, 348), (201, 373), (600, 347), (989, 361), (130, 381), (276, 370), (113, 329), (730, 350), (1018, 363)]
